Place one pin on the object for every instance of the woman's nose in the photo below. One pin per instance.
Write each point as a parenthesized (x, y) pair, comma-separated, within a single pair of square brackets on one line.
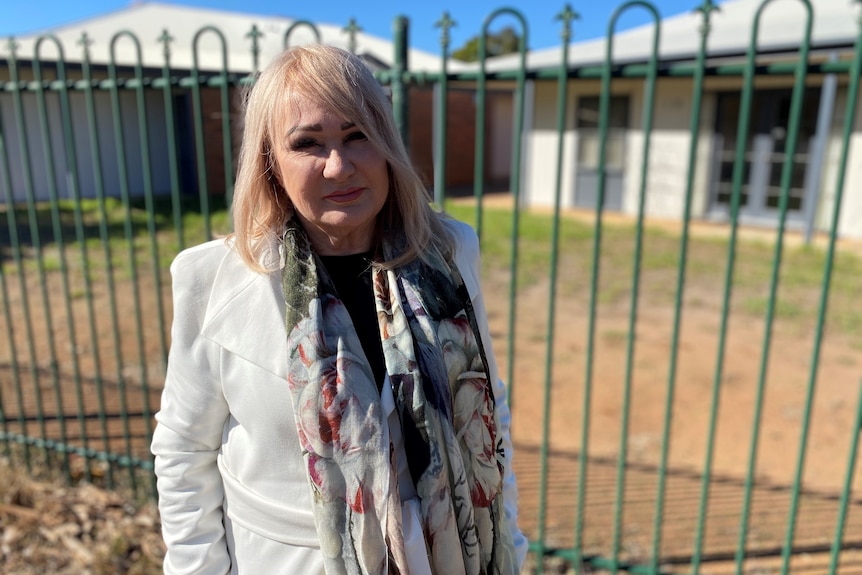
[(338, 165)]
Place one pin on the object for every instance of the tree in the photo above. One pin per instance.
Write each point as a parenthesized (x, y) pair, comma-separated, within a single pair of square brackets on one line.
[(505, 41)]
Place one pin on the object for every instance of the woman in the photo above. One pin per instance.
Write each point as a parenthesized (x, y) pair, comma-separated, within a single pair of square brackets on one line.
[(332, 403)]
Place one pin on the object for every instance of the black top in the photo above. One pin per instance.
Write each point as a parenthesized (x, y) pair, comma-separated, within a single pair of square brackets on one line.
[(351, 276)]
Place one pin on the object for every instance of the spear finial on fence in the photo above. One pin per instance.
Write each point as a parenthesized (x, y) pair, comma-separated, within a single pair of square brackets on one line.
[(566, 17), (707, 8), (13, 46), (166, 39), (254, 34), (445, 24), (351, 29), (85, 42)]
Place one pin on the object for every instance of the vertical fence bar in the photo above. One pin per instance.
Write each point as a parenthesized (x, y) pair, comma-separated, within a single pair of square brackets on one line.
[(99, 185), (400, 104), (835, 551), (445, 23), (27, 174), (736, 178), (146, 173), (786, 173), (105, 236), (479, 155), (200, 141), (128, 229), (706, 10), (10, 331), (566, 17), (74, 188), (736, 190), (54, 200), (227, 143), (200, 144), (583, 458), (45, 137), (515, 179), (170, 128), (515, 188), (847, 130), (10, 337), (13, 361), (648, 111), (649, 93), (149, 204)]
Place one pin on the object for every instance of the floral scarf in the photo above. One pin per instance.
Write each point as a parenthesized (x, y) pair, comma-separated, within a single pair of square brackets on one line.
[(439, 376)]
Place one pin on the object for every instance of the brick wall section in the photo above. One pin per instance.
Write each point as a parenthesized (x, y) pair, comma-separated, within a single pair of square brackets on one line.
[(213, 136), (460, 149), (461, 135), (461, 138), (421, 132)]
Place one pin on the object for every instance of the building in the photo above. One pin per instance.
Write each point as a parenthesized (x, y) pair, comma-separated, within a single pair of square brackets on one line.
[(183, 55), (834, 31)]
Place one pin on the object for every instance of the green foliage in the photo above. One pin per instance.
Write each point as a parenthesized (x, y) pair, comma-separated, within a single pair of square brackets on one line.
[(506, 41), (800, 278), (107, 229)]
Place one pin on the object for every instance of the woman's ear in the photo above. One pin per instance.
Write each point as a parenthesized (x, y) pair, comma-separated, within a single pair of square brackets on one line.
[(273, 175), (273, 178)]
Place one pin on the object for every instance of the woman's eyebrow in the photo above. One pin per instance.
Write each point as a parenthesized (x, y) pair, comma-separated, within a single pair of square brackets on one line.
[(318, 127)]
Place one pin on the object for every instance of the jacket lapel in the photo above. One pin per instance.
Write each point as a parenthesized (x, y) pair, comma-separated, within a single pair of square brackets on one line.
[(245, 313)]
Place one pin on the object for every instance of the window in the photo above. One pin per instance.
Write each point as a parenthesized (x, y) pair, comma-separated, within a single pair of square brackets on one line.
[(589, 137)]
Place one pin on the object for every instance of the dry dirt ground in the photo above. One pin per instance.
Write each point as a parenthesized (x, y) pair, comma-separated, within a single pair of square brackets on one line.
[(831, 429), (617, 429), (768, 459)]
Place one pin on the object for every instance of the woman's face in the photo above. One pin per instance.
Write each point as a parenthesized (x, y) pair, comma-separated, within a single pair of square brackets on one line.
[(335, 178)]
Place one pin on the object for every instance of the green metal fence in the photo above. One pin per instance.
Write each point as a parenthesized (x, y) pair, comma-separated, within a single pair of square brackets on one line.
[(600, 318)]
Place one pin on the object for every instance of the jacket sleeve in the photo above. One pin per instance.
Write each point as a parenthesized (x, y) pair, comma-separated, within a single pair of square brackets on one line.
[(469, 265), (189, 427)]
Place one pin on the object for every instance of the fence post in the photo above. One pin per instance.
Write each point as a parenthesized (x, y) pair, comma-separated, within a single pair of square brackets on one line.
[(399, 68), (442, 91)]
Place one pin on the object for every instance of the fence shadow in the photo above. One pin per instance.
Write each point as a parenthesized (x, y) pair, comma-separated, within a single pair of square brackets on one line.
[(815, 525)]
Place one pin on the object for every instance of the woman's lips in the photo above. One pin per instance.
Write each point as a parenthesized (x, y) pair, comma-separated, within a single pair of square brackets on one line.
[(344, 196)]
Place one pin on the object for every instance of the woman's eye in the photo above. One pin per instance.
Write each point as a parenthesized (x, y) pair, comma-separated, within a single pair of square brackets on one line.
[(356, 136), (302, 144)]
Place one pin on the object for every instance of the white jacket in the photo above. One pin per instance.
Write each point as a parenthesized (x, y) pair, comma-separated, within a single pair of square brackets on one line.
[(233, 492)]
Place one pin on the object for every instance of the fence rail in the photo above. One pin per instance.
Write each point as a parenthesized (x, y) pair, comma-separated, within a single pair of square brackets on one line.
[(683, 390)]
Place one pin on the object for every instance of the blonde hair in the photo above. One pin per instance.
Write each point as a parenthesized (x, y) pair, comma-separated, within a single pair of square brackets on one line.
[(342, 82)]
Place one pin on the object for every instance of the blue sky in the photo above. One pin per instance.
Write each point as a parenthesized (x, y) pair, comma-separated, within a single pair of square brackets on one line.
[(375, 17)]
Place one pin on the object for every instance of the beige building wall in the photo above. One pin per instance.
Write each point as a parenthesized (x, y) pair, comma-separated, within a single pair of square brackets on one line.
[(668, 151), (540, 149), (669, 146), (850, 222)]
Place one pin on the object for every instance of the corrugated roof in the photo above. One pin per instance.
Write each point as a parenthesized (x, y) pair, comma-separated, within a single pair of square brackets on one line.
[(782, 25), (148, 21)]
